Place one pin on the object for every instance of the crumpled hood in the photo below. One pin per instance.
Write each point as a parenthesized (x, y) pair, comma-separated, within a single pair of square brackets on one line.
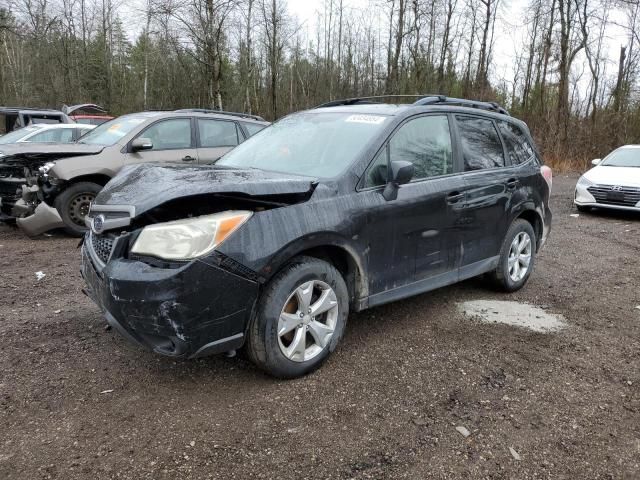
[(146, 186), (47, 150)]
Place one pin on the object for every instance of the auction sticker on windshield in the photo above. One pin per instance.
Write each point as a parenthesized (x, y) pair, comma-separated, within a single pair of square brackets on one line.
[(371, 119)]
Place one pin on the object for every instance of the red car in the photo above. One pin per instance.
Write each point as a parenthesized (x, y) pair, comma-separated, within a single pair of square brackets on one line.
[(87, 113)]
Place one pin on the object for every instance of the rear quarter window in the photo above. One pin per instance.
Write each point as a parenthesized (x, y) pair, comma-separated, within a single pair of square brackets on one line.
[(518, 147)]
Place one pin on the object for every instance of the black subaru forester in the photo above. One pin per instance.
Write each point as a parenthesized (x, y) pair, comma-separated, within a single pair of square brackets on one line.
[(336, 209)]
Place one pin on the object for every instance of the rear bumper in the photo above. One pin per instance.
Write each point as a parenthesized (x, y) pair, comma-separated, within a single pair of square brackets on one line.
[(191, 311), (546, 227)]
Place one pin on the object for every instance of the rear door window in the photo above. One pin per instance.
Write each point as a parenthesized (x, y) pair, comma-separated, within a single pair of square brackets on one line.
[(217, 133), (518, 147), (480, 143)]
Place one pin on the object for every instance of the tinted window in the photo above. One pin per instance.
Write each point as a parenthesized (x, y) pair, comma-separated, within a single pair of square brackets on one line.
[(518, 146), (61, 135), (253, 128), (377, 172), (318, 144), (481, 146), (426, 143), (169, 134), (217, 133)]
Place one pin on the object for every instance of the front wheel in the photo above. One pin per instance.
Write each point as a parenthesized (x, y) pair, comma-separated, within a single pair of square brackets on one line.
[(517, 257), (300, 319), (73, 205)]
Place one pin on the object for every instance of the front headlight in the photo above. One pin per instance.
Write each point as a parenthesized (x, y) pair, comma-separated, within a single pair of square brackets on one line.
[(46, 167), (583, 182), (190, 237)]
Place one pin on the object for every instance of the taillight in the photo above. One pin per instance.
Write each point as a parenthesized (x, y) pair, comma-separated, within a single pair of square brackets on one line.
[(547, 174)]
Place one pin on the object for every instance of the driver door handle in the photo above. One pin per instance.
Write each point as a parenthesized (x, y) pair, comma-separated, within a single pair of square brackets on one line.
[(454, 197), (188, 158)]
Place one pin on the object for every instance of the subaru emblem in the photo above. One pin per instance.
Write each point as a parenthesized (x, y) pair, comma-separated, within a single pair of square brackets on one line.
[(97, 224)]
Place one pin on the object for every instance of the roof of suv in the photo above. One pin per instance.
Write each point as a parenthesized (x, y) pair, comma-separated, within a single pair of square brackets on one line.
[(200, 113), (441, 103), (372, 104)]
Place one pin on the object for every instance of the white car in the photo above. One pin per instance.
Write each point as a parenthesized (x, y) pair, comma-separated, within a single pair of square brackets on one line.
[(613, 182), (47, 133)]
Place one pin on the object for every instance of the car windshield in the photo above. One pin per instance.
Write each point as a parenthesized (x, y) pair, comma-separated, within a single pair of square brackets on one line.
[(110, 132), (19, 134), (625, 157), (314, 144)]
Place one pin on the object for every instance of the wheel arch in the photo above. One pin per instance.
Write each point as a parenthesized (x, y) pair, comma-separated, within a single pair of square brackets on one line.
[(334, 250), (97, 178), (535, 219)]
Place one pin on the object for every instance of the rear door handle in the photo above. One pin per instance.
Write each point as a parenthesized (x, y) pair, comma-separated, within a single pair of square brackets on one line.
[(512, 183), (454, 197), (188, 158)]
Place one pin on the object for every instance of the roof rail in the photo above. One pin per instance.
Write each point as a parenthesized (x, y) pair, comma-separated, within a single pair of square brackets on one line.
[(368, 100), (220, 112), (424, 99), (31, 109), (461, 102)]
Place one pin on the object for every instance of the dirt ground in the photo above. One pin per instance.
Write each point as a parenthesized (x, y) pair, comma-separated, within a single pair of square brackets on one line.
[(76, 401)]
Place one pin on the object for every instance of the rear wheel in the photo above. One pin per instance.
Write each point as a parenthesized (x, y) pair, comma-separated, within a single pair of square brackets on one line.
[(73, 206), (300, 319), (517, 257)]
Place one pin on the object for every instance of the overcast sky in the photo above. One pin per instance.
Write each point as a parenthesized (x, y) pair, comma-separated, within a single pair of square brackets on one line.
[(509, 34), (509, 40)]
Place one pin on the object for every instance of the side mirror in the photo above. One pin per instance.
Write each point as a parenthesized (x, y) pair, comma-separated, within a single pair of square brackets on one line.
[(401, 173), (596, 161), (141, 143)]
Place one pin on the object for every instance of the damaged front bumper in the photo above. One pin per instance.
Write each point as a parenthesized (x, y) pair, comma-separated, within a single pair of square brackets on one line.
[(193, 310), (43, 219)]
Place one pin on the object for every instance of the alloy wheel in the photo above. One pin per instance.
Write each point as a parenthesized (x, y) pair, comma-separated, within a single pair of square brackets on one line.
[(307, 321), (519, 256)]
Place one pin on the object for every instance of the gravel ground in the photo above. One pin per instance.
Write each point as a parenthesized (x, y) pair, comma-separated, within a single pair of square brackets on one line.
[(76, 401)]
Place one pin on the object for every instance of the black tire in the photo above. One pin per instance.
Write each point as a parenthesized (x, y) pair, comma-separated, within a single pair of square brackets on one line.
[(583, 209), (501, 277), (74, 200), (263, 347)]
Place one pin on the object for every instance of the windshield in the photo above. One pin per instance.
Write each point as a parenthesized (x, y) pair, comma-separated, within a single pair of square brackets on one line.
[(625, 157), (110, 132), (19, 134), (313, 144)]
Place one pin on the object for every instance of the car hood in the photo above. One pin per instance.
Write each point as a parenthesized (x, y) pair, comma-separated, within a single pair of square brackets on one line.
[(147, 186), (47, 151), (614, 175)]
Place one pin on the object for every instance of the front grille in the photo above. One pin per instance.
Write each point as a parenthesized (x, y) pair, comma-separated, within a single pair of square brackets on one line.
[(102, 246), (615, 195)]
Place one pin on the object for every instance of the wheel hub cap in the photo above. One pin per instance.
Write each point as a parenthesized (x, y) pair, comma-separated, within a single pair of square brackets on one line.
[(519, 256), (307, 321), (79, 207)]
